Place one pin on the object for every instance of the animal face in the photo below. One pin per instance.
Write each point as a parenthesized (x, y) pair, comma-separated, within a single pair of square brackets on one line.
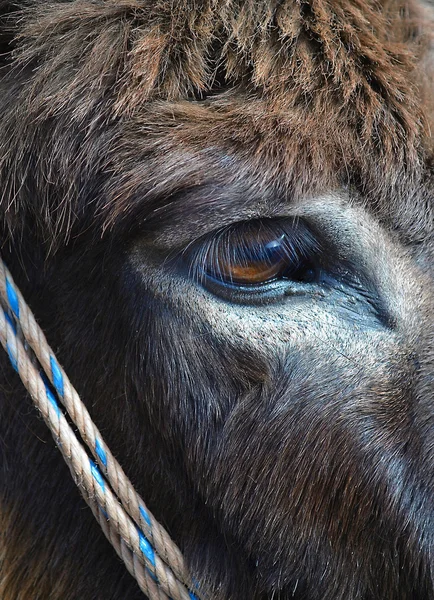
[(222, 216)]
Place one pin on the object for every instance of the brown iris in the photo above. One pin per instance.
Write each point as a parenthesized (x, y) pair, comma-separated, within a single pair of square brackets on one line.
[(254, 263), (255, 272)]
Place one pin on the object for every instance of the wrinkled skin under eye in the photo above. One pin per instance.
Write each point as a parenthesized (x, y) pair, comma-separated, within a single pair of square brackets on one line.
[(256, 253)]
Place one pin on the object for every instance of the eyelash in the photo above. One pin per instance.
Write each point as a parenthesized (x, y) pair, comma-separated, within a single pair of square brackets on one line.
[(286, 249)]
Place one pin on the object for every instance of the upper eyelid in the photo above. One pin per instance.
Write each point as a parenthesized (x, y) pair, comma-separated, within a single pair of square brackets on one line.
[(213, 237)]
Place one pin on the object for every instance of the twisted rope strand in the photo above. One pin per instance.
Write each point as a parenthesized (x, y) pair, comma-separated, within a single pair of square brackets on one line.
[(79, 414), (85, 472), (142, 559), (133, 565)]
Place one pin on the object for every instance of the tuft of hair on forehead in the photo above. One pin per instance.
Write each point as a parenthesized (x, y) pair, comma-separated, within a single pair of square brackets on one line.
[(291, 51)]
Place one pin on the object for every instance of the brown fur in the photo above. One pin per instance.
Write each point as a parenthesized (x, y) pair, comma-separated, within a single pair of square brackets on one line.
[(287, 445)]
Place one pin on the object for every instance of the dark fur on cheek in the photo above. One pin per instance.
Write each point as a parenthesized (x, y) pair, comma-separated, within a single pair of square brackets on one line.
[(284, 437)]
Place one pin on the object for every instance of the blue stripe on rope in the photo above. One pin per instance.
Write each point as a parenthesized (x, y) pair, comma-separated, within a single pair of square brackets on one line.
[(12, 358), (104, 512), (12, 298), (145, 516), (100, 452), (146, 548), (51, 398), (193, 596), (11, 322), (152, 576), (96, 474), (57, 376)]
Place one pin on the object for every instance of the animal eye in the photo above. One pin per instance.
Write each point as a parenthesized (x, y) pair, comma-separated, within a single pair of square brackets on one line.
[(257, 253)]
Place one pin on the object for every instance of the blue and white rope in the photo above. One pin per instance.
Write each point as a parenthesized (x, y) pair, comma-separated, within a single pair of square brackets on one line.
[(146, 548)]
